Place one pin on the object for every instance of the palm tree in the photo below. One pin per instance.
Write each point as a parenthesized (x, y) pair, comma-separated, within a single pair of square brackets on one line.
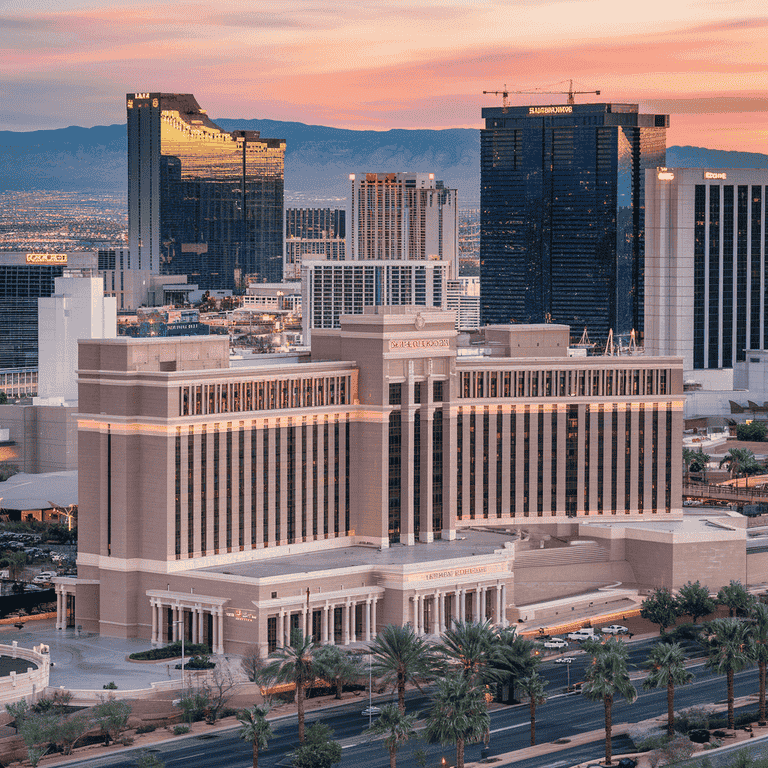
[(607, 677), (293, 663), (667, 663), (513, 658), (400, 657), (337, 667), (699, 463), (728, 643), (395, 727), (689, 456), (458, 714), (740, 462), (255, 728), (534, 685), (758, 631), (470, 646)]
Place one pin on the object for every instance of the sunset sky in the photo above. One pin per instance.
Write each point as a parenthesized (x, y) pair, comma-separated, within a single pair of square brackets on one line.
[(388, 64)]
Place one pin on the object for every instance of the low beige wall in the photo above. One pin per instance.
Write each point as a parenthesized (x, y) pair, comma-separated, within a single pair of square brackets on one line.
[(26, 685)]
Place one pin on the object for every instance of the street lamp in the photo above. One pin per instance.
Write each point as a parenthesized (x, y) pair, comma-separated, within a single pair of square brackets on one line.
[(370, 689)]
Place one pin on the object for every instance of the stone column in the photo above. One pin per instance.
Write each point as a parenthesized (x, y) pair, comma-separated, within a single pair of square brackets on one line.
[(345, 625), (419, 615), (324, 625), (481, 603), (367, 621), (304, 620), (332, 624), (175, 616), (462, 605), (200, 631), (373, 617), (475, 604), (353, 622), (215, 638), (59, 610), (415, 614), (503, 605), (153, 611), (220, 623), (498, 616), (436, 613), (442, 611)]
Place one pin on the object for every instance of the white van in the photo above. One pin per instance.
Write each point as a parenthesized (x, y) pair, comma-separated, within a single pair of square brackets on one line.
[(585, 633)]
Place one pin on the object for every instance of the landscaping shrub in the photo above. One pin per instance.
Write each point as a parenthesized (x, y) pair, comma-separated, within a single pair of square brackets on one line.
[(178, 730), (172, 651), (646, 739), (146, 728), (109, 686), (693, 718)]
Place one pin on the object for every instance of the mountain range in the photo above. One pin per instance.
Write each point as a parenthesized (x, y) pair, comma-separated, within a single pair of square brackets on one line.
[(317, 164)]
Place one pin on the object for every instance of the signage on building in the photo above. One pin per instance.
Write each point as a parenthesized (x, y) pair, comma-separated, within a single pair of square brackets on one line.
[(417, 343), (456, 573), (665, 175), (46, 258), (715, 175), (563, 110)]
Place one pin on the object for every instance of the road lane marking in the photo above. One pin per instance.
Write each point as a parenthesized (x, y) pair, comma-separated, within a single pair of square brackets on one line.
[(509, 727)]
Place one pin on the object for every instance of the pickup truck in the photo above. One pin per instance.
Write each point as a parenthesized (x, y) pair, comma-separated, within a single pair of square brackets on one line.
[(585, 633)]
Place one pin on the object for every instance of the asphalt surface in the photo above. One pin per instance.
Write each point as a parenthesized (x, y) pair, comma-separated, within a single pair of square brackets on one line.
[(562, 716)]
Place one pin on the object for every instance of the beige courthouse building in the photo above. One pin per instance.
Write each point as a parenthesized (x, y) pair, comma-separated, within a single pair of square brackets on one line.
[(391, 477)]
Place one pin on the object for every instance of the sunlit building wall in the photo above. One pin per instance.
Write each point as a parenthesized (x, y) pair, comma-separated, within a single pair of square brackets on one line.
[(202, 202), (313, 233), (561, 221)]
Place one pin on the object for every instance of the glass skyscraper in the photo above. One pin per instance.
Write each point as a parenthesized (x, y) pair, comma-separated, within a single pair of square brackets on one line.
[(561, 222), (201, 201)]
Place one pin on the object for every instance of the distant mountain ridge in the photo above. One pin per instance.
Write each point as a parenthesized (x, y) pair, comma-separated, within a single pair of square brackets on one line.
[(319, 159)]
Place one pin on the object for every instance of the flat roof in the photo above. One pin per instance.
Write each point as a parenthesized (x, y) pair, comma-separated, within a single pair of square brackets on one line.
[(468, 544), (25, 491)]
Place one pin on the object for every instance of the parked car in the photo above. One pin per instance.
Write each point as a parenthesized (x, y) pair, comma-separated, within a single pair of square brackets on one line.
[(368, 711), (44, 577), (564, 660), (556, 642), (585, 633), (614, 629)]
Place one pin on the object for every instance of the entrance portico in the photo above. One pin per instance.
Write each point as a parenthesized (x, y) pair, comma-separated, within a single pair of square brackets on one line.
[(200, 618)]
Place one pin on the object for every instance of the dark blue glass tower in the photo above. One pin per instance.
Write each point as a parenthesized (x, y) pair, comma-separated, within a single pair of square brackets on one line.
[(561, 222)]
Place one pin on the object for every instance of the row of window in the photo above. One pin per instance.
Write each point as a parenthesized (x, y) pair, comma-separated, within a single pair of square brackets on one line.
[(203, 399), (577, 382)]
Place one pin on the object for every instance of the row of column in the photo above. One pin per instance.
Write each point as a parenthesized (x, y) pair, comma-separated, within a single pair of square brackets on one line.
[(179, 621), (439, 621), (327, 621), (61, 606)]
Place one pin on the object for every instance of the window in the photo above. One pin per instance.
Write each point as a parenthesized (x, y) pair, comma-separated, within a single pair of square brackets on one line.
[(395, 394), (437, 391)]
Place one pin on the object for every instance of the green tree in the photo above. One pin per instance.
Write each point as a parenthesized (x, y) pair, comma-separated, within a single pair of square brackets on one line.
[(18, 711), (740, 462), (111, 717), (400, 657), (38, 732), (754, 432), (693, 600), (337, 667), (145, 759), (667, 665), (458, 714), (395, 727), (699, 463), (728, 645), (255, 729), (758, 632), (513, 658), (689, 455), (470, 647), (736, 598), (318, 751), (70, 731), (533, 687), (661, 608), (294, 664), (3, 398), (607, 677)]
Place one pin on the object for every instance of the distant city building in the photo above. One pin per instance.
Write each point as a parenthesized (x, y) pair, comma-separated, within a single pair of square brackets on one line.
[(313, 233), (202, 202), (463, 297), (562, 214), (78, 309), (282, 297), (165, 321), (333, 289), (24, 278), (18, 382), (403, 216)]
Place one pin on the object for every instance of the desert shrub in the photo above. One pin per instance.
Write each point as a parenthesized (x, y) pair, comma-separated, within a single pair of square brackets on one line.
[(645, 739), (199, 662), (672, 752), (146, 728), (178, 730), (229, 712), (109, 686), (693, 718)]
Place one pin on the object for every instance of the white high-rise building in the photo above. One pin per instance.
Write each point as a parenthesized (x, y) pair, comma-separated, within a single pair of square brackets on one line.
[(403, 216), (78, 309)]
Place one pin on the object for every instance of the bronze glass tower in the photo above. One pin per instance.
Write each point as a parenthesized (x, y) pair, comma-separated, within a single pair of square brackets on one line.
[(201, 201)]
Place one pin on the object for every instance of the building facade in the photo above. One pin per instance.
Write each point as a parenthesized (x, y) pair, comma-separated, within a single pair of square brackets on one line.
[(561, 222), (202, 202), (403, 216), (377, 483), (333, 289), (706, 282), (315, 234)]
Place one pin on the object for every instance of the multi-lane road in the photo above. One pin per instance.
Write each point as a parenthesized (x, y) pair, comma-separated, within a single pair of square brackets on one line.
[(561, 717)]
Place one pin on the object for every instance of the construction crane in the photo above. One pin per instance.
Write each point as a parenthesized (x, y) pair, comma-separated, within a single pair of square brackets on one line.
[(570, 93)]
